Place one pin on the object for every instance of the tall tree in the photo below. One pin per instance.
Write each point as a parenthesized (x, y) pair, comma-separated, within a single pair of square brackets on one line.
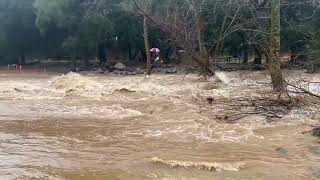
[(275, 66), (144, 8), (146, 43)]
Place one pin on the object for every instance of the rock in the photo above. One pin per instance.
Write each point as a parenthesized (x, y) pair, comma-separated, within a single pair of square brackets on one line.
[(281, 151), (167, 66), (159, 70), (139, 71), (100, 70), (166, 70), (171, 70), (316, 132), (258, 67), (120, 66), (131, 73), (119, 72)]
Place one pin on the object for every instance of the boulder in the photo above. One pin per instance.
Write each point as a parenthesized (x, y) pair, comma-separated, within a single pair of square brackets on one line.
[(139, 71), (166, 70), (131, 73), (120, 66), (167, 65), (171, 70)]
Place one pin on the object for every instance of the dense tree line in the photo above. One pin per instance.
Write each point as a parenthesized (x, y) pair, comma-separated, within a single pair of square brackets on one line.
[(204, 29)]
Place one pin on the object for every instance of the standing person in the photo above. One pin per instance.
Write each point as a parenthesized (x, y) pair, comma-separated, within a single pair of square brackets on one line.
[(155, 52)]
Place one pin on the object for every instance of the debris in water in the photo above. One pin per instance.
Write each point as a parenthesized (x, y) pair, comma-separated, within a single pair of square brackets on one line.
[(316, 132), (210, 100), (315, 150), (18, 90), (235, 166), (281, 151), (316, 173), (124, 90)]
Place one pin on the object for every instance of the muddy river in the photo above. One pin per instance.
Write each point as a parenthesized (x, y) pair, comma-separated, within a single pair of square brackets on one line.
[(93, 126)]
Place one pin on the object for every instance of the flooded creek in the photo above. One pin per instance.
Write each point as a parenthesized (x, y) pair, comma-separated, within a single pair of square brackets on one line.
[(129, 127)]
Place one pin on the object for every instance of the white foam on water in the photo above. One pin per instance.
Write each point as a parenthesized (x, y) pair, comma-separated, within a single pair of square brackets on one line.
[(222, 76), (172, 120), (106, 112), (215, 166), (314, 88), (28, 90), (208, 131), (74, 84)]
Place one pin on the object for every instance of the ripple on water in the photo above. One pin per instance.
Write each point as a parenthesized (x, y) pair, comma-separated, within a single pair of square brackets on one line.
[(75, 127)]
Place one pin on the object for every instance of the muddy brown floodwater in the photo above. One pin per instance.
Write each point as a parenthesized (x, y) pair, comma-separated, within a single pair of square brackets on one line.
[(114, 127)]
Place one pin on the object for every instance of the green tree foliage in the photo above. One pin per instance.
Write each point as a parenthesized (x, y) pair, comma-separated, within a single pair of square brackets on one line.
[(18, 35), (205, 29), (84, 27)]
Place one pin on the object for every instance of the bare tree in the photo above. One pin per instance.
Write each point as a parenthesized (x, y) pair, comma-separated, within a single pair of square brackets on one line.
[(183, 22), (275, 70), (201, 27), (143, 8)]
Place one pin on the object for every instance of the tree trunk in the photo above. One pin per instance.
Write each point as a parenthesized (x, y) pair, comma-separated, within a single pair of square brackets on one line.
[(22, 59), (267, 58), (293, 56), (102, 54), (245, 54), (146, 44), (275, 70), (73, 61), (220, 42), (132, 53), (167, 55), (130, 56), (206, 67), (143, 57), (258, 55)]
